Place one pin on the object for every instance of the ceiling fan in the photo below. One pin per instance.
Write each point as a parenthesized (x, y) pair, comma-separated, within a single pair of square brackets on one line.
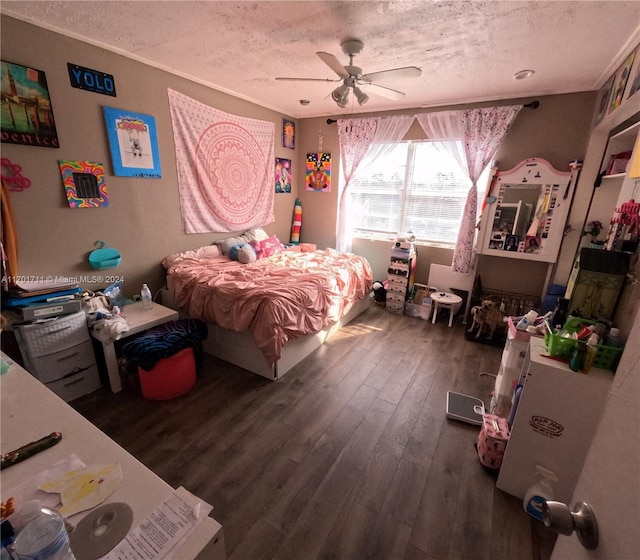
[(352, 77)]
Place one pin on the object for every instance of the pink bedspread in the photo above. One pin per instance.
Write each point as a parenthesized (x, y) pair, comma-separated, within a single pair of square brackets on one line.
[(281, 297)]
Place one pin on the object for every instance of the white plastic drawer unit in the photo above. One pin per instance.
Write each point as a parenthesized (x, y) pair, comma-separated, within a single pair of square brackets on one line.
[(64, 363), (76, 384), (59, 353), (40, 339)]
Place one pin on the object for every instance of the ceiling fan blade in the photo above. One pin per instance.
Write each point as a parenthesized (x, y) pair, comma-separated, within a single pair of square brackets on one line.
[(394, 73), (383, 91), (333, 63), (309, 79)]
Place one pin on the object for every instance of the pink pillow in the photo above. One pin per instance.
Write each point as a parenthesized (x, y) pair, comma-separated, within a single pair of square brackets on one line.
[(267, 247)]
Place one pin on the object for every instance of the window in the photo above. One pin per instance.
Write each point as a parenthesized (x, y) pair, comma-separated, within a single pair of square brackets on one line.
[(414, 185)]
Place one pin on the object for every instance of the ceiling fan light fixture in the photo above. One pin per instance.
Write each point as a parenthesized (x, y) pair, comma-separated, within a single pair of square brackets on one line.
[(344, 100), (340, 93), (361, 96)]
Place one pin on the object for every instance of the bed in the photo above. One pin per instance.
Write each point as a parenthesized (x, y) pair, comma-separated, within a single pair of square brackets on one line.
[(266, 316)]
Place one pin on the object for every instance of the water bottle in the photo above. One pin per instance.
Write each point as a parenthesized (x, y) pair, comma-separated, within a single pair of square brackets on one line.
[(614, 338), (45, 537), (147, 300)]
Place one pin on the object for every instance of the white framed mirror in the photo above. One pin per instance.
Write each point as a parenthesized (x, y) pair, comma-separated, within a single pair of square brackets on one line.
[(526, 211)]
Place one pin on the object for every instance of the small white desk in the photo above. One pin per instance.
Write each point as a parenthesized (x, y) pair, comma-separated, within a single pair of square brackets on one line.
[(29, 411), (138, 320), (449, 301)]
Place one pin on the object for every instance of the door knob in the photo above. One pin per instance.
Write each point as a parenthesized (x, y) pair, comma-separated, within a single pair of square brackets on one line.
[(582, 520)]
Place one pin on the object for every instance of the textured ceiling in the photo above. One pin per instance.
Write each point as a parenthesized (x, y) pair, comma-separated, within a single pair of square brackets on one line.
[(467, 50)]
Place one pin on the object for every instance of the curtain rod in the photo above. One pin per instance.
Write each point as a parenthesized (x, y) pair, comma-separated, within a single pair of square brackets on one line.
[(532, 105)]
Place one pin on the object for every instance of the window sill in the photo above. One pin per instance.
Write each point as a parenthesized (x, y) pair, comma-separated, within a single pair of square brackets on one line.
[(418, 243)]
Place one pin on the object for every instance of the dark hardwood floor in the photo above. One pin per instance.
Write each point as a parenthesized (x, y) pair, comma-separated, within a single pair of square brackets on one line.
[(348, 456)]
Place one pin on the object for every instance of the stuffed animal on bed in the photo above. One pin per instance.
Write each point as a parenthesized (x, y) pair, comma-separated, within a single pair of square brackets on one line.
[(247, 254), (243, 253)]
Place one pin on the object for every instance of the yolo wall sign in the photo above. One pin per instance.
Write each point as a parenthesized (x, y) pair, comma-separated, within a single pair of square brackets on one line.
[(91, 80)]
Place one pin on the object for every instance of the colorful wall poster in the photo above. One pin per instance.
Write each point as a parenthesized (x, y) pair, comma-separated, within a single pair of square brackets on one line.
[(318, 174), (84, 184), (283, 175), (26, 114), (133, 142), (288, 134), (622, 77)]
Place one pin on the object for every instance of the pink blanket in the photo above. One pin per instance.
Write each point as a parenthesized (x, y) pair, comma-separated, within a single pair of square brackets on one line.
[(281, 297)]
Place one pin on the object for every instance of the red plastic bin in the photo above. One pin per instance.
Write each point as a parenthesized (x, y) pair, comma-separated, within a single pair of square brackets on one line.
[(170, 378)]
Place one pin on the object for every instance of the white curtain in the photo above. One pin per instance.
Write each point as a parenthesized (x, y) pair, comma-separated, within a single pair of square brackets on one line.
[(481, 132), (445, 129), (360, 139)]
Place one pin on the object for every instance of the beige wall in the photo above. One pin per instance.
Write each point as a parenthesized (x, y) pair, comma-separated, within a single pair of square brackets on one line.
[(143, 217), (557, 131)]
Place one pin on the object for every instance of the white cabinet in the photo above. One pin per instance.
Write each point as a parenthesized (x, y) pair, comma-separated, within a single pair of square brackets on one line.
[(59, 353), (556, 418)]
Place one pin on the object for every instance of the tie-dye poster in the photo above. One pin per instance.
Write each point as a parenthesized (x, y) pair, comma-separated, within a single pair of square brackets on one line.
[(318, 176), (84, 184)]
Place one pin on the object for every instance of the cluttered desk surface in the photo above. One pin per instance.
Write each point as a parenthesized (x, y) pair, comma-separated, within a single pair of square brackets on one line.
[(30, 411)]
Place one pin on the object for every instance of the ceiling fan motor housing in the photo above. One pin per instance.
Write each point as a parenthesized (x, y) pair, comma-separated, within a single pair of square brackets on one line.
[(351, 47)]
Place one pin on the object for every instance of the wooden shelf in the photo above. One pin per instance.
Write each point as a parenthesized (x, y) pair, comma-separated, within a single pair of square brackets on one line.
[(622, 141)]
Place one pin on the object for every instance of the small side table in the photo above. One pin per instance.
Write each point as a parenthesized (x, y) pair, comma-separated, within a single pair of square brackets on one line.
[(447, 301), (138, 320)]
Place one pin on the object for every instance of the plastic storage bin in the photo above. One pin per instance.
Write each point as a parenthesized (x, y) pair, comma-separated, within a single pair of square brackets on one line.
[(170, 377), (607, 357)]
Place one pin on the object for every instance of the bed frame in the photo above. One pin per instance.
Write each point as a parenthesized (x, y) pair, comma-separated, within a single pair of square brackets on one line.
[(240, 349)]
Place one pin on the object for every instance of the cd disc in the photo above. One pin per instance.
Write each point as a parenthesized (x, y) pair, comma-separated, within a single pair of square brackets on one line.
[(100, 531)]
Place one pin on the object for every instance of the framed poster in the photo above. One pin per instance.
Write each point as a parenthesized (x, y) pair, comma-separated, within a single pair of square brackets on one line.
[(621, 79), (318, 174), (603, 99), (283, 175), (288, 134), (133, 143), (635, 75), (84, 184), (27, 115)]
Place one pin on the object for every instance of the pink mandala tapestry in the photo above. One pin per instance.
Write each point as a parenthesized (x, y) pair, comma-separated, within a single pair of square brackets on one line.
[(225, 167)]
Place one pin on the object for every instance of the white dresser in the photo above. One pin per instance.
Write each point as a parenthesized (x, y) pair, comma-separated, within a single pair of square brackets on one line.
[(59, 353)]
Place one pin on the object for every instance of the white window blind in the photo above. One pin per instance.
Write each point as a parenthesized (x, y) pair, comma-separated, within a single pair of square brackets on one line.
[(412, 186)]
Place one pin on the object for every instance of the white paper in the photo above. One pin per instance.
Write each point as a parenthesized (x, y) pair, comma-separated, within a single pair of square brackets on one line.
[(30, 488), (84, 488), (162, 529)]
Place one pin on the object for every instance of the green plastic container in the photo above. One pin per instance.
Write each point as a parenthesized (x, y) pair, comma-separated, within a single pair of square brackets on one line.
[(607, 357)]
